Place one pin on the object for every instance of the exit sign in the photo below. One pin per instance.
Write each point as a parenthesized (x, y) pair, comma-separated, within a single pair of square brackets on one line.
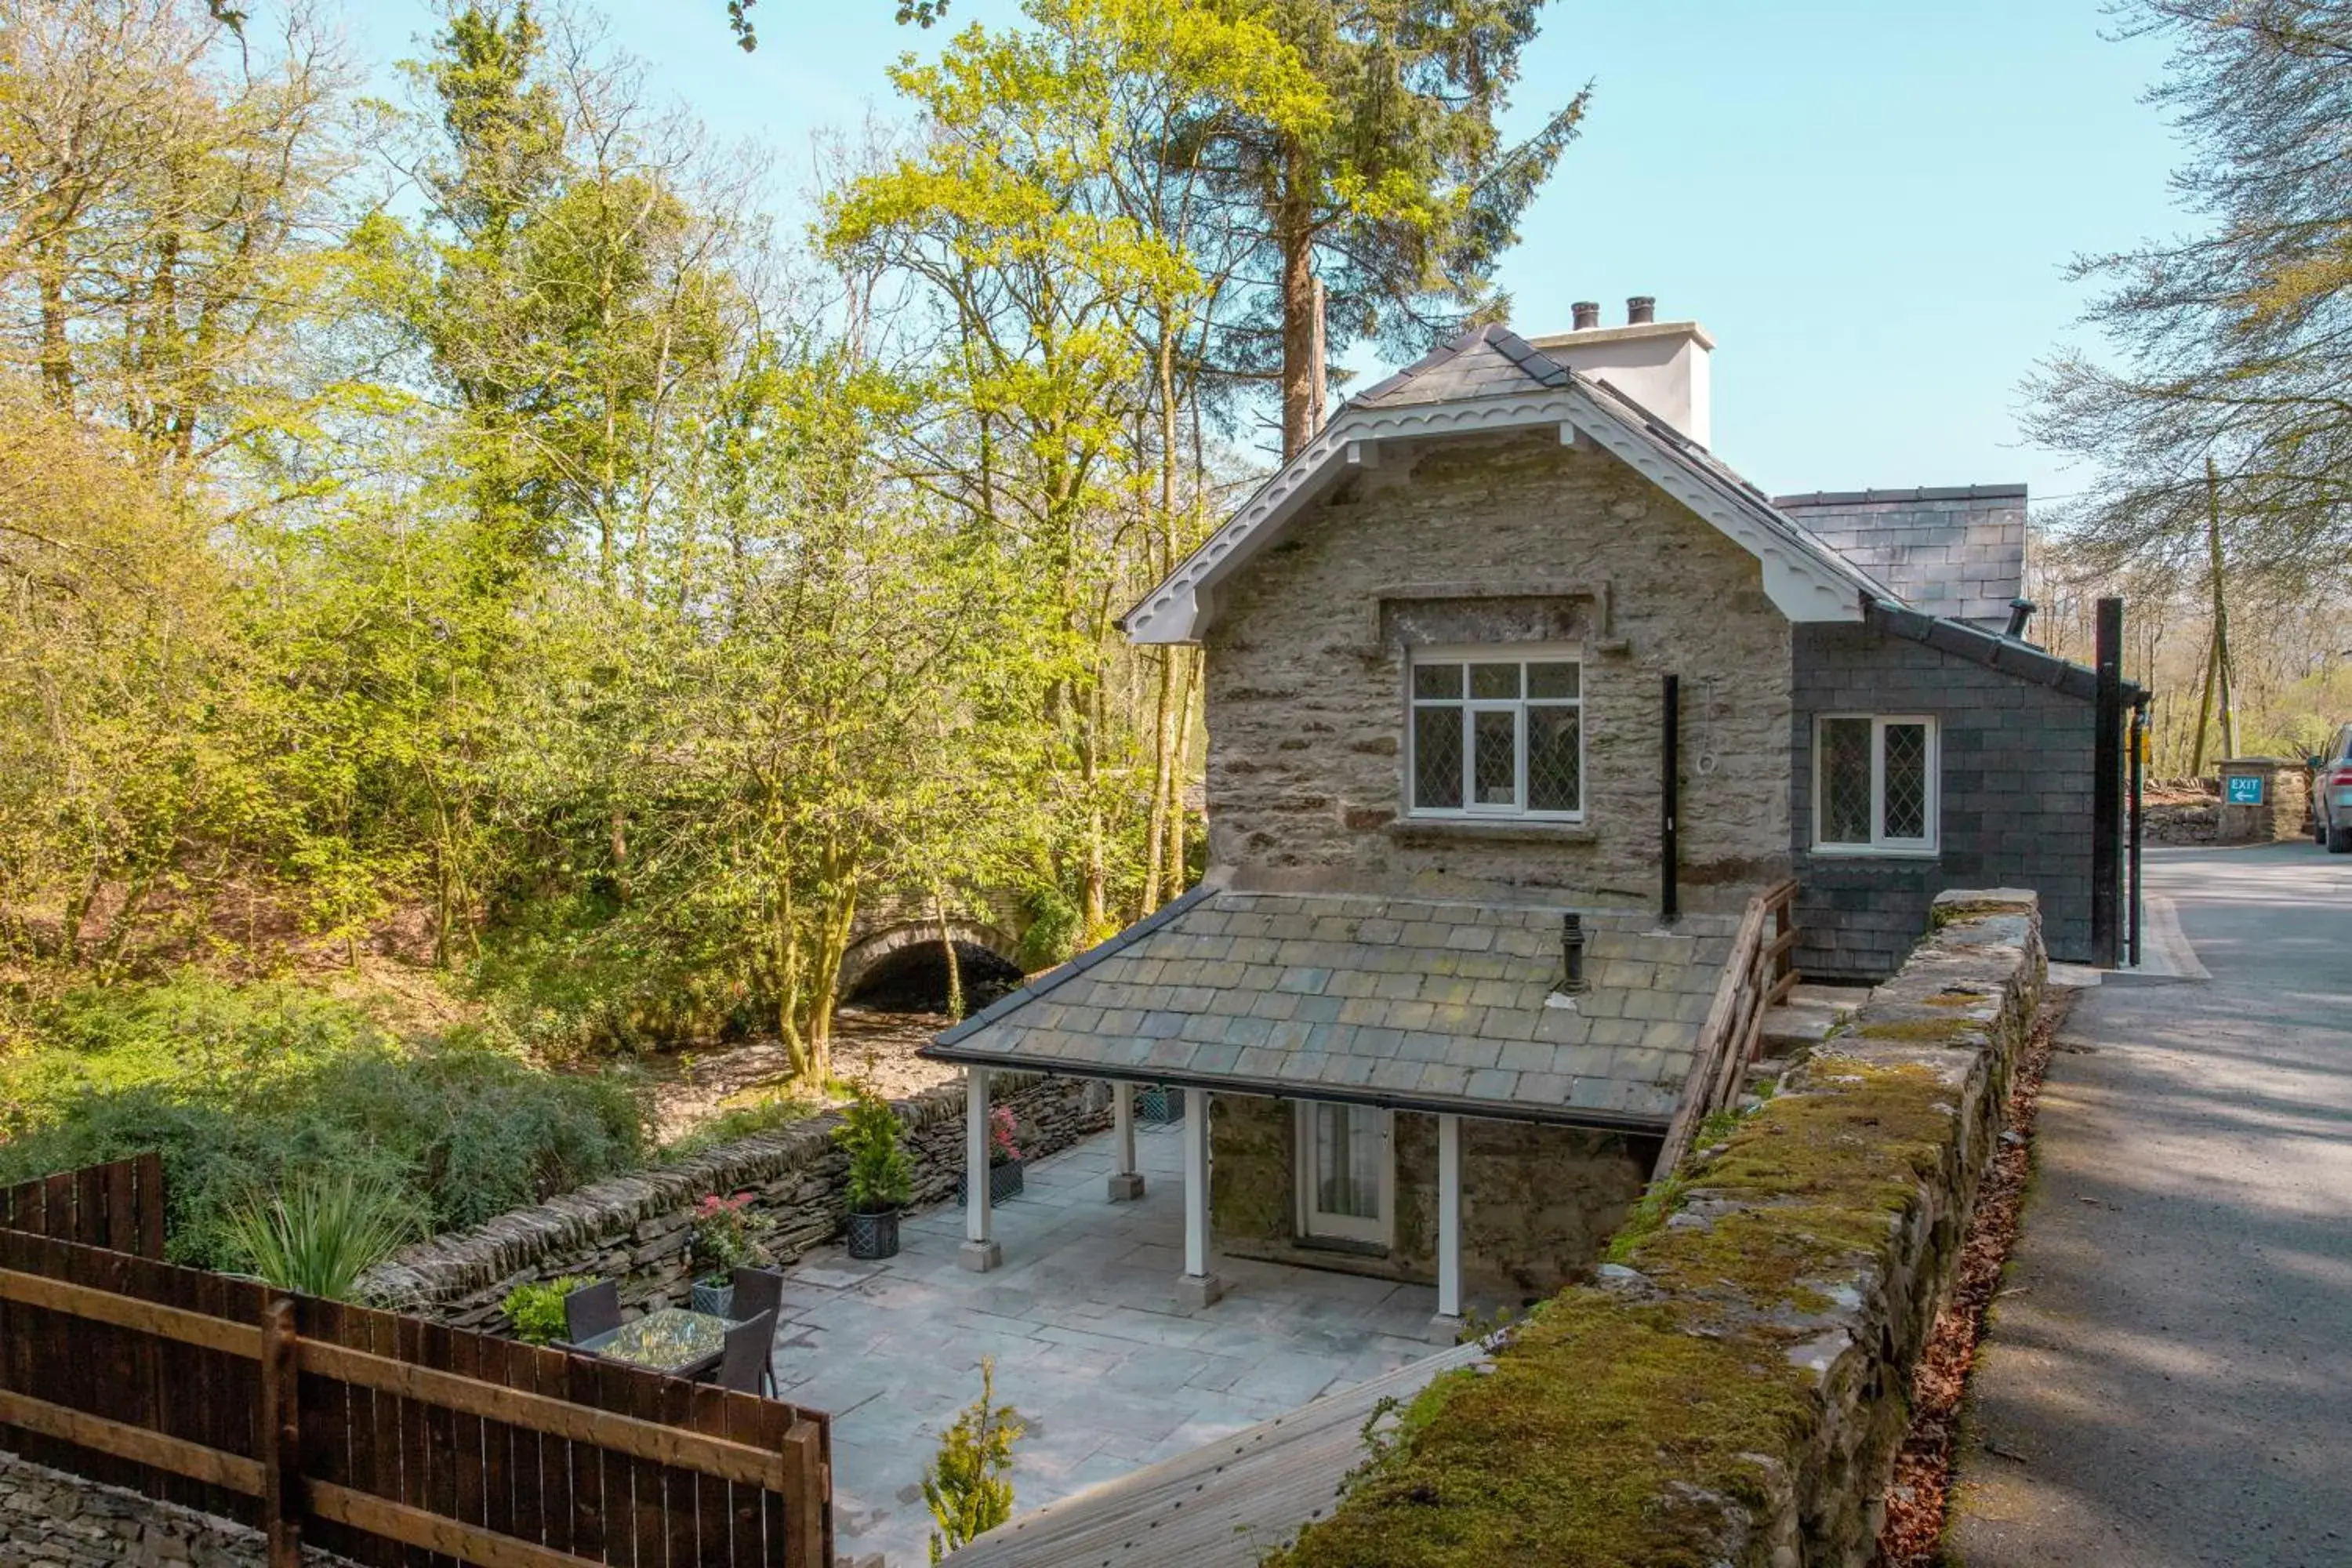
[(2244, 789)]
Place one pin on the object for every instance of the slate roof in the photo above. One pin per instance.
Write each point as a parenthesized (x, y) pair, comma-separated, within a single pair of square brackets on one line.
[(1958, 551), (1396, 1002)]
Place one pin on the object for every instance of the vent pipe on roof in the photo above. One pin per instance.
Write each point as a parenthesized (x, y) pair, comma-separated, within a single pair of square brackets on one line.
[(1587, 314), (2019, 612), (1641, 309)]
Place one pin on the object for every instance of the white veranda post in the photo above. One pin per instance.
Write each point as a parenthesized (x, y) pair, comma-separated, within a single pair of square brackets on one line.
[(1449, 1222), (979, 1253), (1126, 1179), (1198, 1287)]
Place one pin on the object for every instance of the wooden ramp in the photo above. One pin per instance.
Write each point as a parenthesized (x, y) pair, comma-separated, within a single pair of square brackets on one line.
[(1224, 1505)]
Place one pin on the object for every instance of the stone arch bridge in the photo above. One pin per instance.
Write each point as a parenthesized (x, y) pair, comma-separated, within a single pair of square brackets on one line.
[(895, 961)]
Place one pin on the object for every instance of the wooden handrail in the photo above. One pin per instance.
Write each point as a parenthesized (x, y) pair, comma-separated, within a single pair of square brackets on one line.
[(1756, 977)]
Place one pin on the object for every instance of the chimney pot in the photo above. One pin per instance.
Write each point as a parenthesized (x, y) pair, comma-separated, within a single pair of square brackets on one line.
[(1641, 309), (1587, 314)]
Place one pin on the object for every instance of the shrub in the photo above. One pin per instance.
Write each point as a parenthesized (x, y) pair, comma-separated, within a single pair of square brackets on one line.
[(320, 1233), (740, 1121), (268, 1088), (969, 1486), (536, 1310), (727, 1234), (881, 1177)]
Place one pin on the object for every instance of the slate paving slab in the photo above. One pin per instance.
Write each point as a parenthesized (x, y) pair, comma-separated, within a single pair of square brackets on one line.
[(1089, 1343)]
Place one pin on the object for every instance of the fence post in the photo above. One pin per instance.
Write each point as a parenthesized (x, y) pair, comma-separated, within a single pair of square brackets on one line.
[(804, 1533), (281, 1436)]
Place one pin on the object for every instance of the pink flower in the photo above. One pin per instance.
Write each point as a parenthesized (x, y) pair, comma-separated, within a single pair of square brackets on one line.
[(999, 1129)]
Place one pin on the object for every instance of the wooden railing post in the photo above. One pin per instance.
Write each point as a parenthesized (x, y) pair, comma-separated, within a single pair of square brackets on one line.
[(281, 1436)]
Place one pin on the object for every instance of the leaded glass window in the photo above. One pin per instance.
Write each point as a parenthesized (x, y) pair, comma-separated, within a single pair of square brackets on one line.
[(1496, 737), (1874, 783)]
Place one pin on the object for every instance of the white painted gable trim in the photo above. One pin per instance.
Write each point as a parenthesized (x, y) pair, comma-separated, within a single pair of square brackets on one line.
[(1802, 584)]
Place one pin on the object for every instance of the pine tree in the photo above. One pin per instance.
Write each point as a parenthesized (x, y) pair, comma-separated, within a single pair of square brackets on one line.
[(1400, 204)]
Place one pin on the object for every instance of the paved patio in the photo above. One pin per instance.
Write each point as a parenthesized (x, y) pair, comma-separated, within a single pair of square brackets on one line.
[(1091, 1346)]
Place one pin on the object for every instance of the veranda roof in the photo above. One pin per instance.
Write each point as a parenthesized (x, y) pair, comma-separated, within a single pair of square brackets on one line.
[(1417, 1004)]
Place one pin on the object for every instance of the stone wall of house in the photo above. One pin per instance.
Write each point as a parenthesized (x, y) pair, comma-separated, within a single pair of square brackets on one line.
[(636, 1228), (1518, 539), (1760, 1326), (2016, 799), (50, 1520), (1537, 1203)]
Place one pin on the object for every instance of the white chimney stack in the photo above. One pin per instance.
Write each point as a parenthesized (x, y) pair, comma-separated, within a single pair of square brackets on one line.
[(1662, 365)]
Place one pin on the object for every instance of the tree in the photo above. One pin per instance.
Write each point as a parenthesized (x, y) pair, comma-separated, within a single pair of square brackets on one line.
[(1069, 275), (164, 199), (2231, 343), (1398, 202)]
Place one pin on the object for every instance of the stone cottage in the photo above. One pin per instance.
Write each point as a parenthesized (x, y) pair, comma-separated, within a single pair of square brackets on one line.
[(1503, 650)]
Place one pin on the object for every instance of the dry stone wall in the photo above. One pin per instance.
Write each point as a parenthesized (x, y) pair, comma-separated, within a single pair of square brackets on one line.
[(49, 1520), (1733, 1391), (636, 1228)]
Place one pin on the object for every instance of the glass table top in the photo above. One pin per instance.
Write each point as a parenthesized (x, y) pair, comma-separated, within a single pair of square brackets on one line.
[(663, 1341)]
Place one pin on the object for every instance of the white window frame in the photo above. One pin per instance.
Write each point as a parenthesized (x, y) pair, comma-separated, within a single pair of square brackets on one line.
[(1521, 654), (1314, 1224), (1880, 844)]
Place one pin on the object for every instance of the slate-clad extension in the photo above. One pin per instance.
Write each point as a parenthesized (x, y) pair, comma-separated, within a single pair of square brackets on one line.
[(1958, 551)]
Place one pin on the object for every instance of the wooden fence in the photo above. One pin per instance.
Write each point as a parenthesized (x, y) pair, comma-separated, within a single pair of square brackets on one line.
[(118, 1207), (1757, 976), (383, 1438)]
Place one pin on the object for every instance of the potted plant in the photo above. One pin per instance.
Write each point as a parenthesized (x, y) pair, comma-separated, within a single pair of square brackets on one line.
[(726, 1237), (881, 1178), (1004, 1159)]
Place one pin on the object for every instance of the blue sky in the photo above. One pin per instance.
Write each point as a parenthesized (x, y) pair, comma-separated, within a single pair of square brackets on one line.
[(1869, 205)]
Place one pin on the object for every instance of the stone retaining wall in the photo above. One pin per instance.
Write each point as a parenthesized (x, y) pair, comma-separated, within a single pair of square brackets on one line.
[(635, 1228), (49, 1520), (1733, 1391)]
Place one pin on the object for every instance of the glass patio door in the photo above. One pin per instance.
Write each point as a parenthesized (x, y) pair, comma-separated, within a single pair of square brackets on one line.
[(1345, 1171)]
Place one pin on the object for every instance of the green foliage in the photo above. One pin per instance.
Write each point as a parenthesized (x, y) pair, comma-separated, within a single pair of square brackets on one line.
[(970, 1485), (1053, 932), (248, 1091), (881, 1176), (536, 1309), (768, 1113), (319, 1233)]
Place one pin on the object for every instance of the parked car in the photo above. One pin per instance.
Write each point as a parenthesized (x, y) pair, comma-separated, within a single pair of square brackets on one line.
[(2331, 794)]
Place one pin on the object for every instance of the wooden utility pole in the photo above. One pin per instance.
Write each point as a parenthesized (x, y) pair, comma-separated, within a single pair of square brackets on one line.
[(2218, 655)]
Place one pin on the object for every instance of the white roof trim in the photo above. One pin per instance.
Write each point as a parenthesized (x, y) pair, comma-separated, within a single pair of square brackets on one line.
[(1805, 581)]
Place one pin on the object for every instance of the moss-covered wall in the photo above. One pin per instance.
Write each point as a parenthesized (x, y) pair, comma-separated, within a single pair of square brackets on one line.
[(1732, 1391), (1537, 1203)]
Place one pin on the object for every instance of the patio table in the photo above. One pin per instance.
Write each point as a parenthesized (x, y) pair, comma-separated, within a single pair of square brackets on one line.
[(672, 1340)]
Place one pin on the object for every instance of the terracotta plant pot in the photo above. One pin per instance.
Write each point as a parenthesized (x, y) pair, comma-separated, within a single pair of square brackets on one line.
[(873, 1236)]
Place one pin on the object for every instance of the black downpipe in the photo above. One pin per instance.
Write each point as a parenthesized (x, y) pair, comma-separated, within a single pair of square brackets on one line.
[(2107, 786), (1670, 800), (2139, 782)]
